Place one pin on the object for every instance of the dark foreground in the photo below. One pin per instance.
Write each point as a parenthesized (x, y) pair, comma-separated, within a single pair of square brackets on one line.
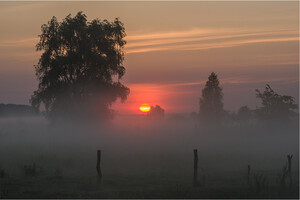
[(147, 186)]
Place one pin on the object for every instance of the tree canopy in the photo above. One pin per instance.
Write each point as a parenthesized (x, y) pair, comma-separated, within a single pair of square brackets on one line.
[(275, 106), (156, 112), (80, 66), (244, 115), (211, 102)]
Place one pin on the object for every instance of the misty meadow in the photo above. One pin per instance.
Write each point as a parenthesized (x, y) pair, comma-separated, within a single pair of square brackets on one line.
[(110, 100)]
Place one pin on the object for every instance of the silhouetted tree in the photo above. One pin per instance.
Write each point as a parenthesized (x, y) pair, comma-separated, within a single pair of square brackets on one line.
[(211, 102), (77, 67), (244, 115), (156, 112), (194, 115), (274, 106)]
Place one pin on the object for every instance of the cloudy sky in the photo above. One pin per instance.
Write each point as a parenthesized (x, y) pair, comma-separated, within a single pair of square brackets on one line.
[(171, 49)]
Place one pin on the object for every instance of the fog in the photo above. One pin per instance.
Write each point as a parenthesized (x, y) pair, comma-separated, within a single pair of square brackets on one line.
[(134, 147)]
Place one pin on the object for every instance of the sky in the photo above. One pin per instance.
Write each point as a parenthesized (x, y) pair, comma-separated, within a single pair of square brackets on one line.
[(171, 49)]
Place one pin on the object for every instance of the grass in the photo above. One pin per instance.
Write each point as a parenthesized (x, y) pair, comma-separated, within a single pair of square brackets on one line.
[(151, 185)]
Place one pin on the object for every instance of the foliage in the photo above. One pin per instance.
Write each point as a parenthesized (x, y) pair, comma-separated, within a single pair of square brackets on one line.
[(275, 106), (77, 67), (281, 177), (2, 173), (58, 173), (181, 191), (244, 115), (260, 181), (211, 102), (30, 170), (156, 112)]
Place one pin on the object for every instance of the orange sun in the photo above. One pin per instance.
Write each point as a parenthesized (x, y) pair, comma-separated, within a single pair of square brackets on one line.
[(145, 108)]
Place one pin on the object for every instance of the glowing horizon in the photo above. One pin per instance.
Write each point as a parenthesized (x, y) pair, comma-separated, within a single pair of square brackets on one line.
[(168, 56)]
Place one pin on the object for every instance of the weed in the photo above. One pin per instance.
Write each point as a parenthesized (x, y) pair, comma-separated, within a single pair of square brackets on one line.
[(260, 182), (57, 173), (282, 177), (2, 173), (180, 191), (30, 170)]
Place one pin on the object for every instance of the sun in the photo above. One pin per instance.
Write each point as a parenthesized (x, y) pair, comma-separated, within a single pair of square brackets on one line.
[(145, 108)]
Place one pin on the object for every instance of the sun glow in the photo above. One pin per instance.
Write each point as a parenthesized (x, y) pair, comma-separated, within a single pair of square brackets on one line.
[(145, 108)]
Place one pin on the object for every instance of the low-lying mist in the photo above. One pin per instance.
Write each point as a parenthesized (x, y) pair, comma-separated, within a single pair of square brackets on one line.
[(137, 145)]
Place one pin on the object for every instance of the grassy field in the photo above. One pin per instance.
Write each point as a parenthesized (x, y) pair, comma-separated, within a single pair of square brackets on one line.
[(39, 161), (144, 185)]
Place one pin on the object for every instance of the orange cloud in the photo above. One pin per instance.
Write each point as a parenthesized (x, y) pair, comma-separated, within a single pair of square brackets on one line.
[(17, 43), (200, 40)]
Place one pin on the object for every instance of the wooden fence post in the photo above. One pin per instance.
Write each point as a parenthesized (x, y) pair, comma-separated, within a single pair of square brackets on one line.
[(195, 167), (290, 168), (98, 166), (248, 175)]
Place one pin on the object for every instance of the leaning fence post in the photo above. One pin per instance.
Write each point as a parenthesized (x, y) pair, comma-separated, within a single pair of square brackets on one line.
[(248, 175), (290, 168), (195, 166), (98, 165)]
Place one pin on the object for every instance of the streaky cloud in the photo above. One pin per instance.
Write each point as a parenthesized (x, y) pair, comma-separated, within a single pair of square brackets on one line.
[(201, 40)]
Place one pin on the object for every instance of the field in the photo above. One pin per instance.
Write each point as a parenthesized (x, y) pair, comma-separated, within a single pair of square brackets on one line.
[(145, 159)]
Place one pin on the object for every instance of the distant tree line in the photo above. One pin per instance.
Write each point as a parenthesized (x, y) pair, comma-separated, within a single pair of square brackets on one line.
[(275, 108), (12, 110), (156, 112)]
